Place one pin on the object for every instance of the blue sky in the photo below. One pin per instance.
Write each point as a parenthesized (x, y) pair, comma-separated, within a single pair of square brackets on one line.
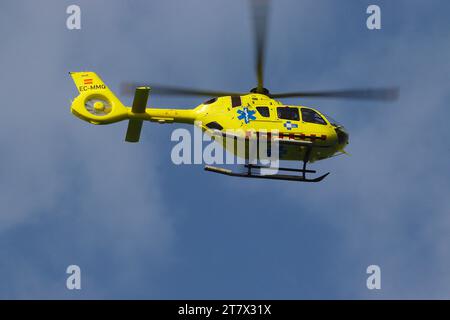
[(140, 227)]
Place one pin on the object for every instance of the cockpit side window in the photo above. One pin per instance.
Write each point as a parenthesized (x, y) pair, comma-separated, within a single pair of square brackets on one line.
[(309, 115), (288, 113)]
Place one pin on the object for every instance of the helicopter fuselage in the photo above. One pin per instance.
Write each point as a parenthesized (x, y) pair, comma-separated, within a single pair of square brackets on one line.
[(250, 116), (260, 117)]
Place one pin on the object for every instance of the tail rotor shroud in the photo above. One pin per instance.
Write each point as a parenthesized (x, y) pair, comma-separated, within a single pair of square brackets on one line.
[(98, 106)]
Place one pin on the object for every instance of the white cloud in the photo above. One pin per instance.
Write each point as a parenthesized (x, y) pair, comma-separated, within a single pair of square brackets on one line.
[(388, 200), (54, 166)]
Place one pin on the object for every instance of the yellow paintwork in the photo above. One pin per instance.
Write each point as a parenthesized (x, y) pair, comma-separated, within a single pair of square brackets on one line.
[(323, 136)]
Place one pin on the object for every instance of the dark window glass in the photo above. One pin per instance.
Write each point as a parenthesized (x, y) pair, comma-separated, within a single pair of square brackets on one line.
[(332, 121), (264, 111), (236, 101), (309, 115), (214, 125), (288, 113), (210, 101)]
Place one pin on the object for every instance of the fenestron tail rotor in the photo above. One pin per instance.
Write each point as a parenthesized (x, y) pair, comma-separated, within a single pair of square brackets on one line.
[(98, 106)]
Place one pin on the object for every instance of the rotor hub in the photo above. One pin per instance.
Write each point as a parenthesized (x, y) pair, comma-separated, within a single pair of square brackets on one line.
[(99, 106), (264, 91)]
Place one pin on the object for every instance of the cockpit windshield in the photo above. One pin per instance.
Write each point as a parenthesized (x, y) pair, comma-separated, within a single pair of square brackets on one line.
[(332, 121)]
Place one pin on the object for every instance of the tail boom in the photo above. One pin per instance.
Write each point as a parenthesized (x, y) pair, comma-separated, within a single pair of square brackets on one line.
[(97, 104)]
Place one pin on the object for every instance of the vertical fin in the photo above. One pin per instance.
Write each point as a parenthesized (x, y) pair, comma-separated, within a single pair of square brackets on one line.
[(139, 105)]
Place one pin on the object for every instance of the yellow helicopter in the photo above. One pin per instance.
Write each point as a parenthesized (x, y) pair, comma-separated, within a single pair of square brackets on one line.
[(302, 133)]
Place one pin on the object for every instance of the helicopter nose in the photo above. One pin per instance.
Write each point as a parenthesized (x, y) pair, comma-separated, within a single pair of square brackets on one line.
[(342, 136)]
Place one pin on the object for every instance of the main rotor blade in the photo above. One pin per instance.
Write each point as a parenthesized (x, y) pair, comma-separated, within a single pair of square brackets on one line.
[(128, 88), (380, 94), (260, 10)]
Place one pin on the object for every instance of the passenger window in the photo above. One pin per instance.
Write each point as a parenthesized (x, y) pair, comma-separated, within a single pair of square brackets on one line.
[(288, 113), (210, 101), (264, 111), (309, 115)]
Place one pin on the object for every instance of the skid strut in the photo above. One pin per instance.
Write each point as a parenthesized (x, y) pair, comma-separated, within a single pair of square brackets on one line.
[(305, 160)]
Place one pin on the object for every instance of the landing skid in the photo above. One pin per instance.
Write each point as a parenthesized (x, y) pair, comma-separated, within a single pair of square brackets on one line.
[(250, 174), (288, 177)]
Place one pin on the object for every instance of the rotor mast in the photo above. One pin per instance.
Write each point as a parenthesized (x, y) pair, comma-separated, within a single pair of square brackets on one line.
[(259, 9)]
